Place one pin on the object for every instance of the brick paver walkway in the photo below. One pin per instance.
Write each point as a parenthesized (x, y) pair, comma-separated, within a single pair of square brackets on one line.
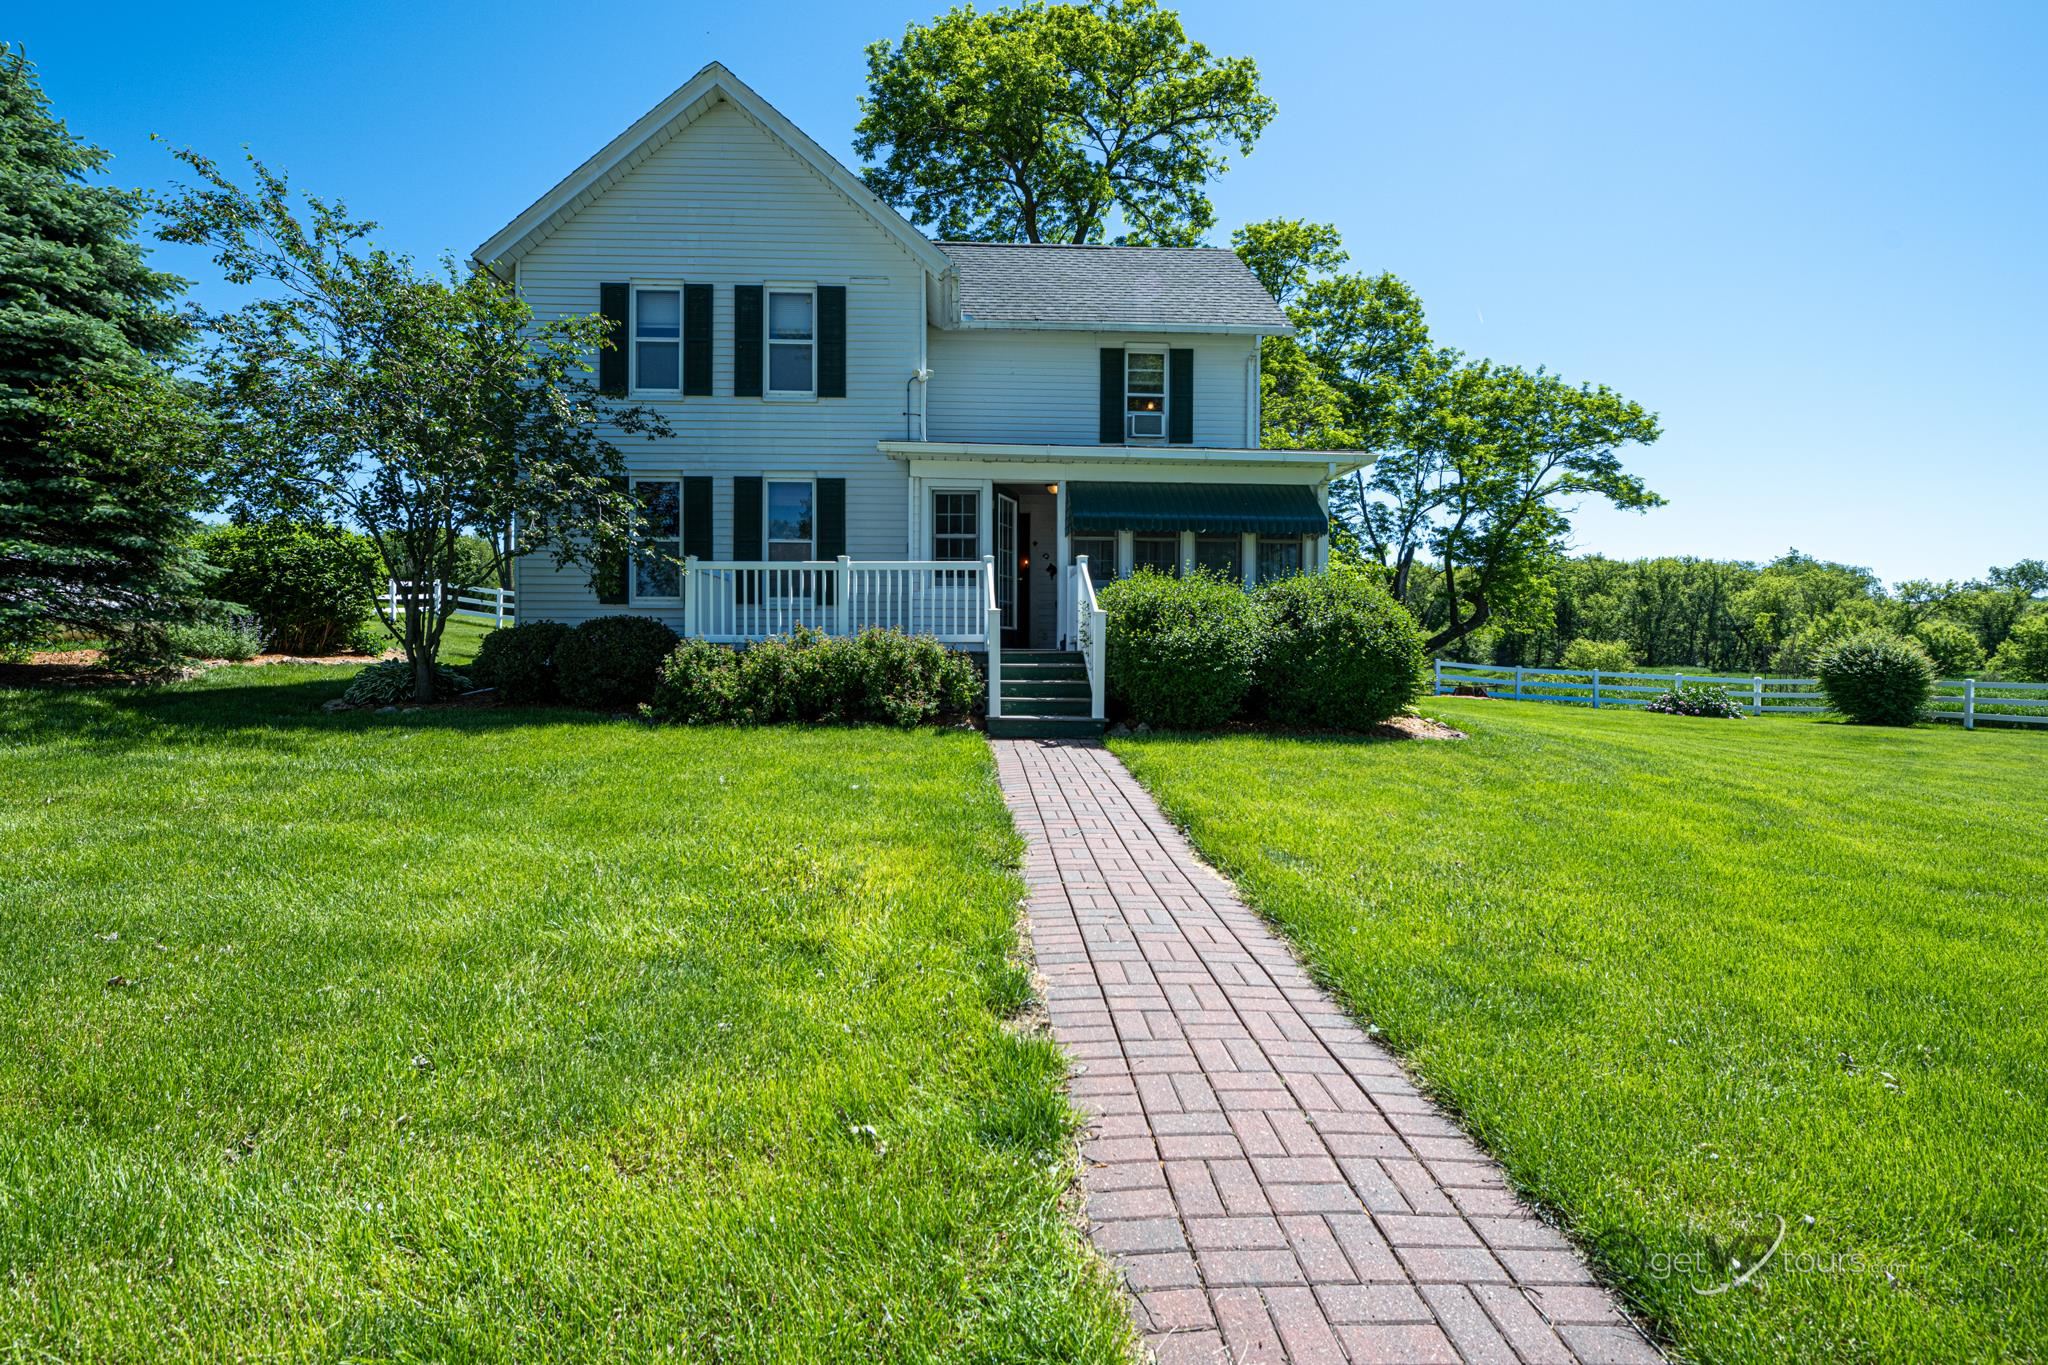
[(1268, 1180)]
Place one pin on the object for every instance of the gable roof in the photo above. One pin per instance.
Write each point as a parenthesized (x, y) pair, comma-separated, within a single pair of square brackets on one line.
[(709, 87), (1047, 287)]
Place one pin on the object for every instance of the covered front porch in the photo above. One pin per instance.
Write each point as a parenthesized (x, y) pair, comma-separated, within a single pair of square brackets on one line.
[(1039, 511)]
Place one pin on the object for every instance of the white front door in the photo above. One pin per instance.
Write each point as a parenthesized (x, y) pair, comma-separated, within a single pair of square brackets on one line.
[(1006, 559)]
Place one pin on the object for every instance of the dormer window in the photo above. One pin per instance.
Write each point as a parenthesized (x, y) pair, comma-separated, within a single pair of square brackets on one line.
[(1144, 395)]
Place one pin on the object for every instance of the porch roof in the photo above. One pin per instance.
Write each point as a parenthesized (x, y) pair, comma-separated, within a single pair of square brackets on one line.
[(1274, 509), (1329, 463)]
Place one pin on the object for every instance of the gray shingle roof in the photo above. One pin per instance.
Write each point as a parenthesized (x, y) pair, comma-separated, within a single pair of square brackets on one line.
[(1168, 289)]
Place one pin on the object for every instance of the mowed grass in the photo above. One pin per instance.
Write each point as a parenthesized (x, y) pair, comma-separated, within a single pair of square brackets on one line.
[(1687, 977), (498, 1035)]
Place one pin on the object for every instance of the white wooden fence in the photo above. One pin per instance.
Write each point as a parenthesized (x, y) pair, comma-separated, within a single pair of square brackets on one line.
[(494, 604), (1965, 700)]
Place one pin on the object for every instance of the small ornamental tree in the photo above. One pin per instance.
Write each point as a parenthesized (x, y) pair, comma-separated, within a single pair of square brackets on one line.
[(2024, 655), (421, 408)]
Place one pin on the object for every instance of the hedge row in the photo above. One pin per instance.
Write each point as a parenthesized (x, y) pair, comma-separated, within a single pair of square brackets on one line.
[(1327, 651), (617, 663)]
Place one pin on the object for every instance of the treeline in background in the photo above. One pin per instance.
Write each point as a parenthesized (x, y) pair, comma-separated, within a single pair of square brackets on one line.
[(1739, 617)]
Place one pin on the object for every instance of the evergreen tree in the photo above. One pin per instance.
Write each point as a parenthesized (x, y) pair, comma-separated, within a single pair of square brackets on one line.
[(85, 325)]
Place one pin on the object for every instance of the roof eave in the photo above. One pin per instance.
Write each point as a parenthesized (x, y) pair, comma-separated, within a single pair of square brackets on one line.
[(1234, 329), (1338, 462)]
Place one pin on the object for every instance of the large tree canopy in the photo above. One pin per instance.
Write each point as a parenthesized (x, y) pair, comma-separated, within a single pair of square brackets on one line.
[(89, 526), (1037, 123), (1478, 464), (420, 408)]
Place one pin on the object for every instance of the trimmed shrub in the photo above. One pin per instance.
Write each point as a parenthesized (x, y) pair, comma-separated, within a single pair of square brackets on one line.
[(1605, 656), (235, 641), (1339, 653), (390, 683), (611, 663), (1182, 651), (312, 586), (1876, 679), (1696, 699), (519, 662), (2024, 655), (879, 675), (1953, 647)]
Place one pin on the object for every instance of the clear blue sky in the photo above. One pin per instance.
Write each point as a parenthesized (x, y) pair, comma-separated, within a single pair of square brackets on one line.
[(1811, 237)]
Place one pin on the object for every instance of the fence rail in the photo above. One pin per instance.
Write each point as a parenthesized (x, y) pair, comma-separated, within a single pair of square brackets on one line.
[(492, 603), (1965, 700)]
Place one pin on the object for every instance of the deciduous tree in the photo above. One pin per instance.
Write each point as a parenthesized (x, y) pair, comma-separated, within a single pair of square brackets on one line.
[(417, 407), (1054, 122)]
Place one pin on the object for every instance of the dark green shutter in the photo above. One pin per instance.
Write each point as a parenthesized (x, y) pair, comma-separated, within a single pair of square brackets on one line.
[(608, 570), (697, 515), (1180, 397), (831, 341), (1112, 395), (746, 530), (746, 341), (613, 302), (831, 513), (697, 340)]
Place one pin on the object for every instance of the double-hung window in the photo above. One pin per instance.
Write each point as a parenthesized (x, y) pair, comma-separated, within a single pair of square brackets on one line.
[(792, 533), (656, 576), (1218, 555), (1145, 395), (658, 340), (792, 343), (1161, 554), (1101, 552), (1279, 558)]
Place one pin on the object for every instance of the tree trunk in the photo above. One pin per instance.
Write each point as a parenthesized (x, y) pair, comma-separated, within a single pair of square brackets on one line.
[(423, 680)]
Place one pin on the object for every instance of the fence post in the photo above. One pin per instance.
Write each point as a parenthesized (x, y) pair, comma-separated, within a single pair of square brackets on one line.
[(1969, 703), (1518, 682), (1436, 667), (1756, 694), (1678, 682), (498, 609), (845, 614), (391, 598), (1596, 689)]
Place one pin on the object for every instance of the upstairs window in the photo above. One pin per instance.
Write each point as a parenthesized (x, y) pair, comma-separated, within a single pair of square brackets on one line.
[(1145, 395), (792, 343), (658, 340)]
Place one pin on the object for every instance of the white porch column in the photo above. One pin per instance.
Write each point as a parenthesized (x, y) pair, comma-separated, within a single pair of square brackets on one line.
[(1187, 552), (1123, 554), (1248, 559)]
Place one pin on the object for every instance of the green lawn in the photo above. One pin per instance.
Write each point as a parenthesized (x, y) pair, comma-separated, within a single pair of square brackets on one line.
[(1686, 977), (516, 1036)]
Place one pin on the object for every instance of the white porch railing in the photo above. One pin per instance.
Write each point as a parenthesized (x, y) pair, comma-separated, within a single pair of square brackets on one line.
[(1087, 627), (732, 602)]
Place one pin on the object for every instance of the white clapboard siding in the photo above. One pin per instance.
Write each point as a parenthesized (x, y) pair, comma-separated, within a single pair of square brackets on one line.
[(1047, 386), (1965, 700), (723, 203)]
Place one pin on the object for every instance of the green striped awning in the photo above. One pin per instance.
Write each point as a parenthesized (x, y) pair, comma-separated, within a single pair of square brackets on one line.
[(1273, 509)]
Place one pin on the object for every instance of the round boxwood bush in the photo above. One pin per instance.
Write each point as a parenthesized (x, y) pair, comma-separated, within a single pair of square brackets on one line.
[(520, 662), (1181, 650), (610, 663), (1876, 679), (1339, 653)]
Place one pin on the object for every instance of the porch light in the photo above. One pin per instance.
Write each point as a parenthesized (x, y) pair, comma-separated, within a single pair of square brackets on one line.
[(1053, 489)]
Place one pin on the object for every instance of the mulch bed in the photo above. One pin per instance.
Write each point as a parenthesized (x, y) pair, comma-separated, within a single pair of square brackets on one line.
[(87, 668)]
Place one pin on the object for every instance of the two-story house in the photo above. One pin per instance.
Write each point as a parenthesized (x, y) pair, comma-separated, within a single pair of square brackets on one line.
[(873, 428)]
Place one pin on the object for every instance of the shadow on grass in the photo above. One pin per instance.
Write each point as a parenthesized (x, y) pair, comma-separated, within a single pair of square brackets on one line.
[(259, 706)]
